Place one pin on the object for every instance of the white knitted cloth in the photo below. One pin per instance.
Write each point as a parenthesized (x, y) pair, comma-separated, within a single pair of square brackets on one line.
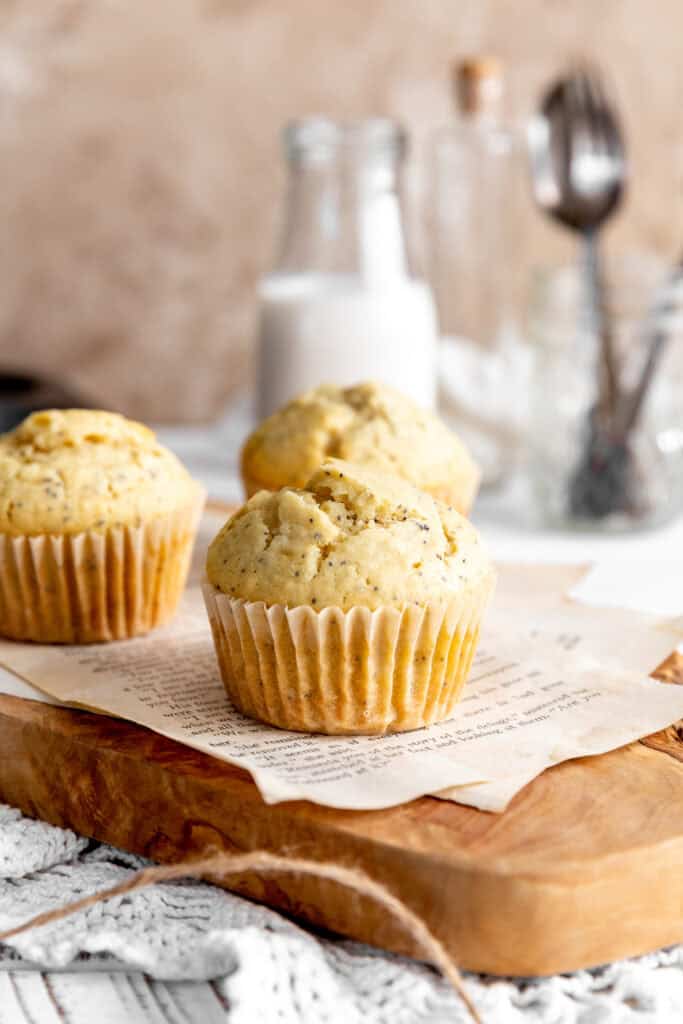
[(268, 969)]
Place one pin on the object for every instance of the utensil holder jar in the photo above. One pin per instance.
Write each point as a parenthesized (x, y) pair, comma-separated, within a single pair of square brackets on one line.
[(565, 387)]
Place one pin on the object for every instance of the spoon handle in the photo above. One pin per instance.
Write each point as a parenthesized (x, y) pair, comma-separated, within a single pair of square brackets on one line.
[(659, 335), (595, 283), (637, 398)]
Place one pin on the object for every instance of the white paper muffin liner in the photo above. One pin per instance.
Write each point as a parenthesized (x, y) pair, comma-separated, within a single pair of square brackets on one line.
[(96, 586), (356, 672)]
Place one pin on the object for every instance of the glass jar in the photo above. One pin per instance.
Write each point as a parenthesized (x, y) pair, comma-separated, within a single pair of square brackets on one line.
[(344, 303), (475, 177), (582, 476)]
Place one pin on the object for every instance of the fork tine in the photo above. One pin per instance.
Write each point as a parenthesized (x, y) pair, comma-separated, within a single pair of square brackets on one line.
[(610, 125), (575, 137), (586, 79), (596, 110), (603, 126), (605, 108), (579, 129)]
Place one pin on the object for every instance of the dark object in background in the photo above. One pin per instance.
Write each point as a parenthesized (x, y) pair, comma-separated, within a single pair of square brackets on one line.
[(21, 394), (604, 482), (578, 175), (579, 170)]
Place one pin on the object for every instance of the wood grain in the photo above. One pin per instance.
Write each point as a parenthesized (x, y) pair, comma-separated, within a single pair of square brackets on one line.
[(669, 740), (584, 867)]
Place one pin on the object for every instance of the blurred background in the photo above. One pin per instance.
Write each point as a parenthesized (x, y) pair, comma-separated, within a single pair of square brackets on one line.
[(142, 175)]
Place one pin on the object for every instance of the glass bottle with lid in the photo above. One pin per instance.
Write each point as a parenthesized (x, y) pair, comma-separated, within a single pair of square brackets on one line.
[(475, 188), (343, 302)]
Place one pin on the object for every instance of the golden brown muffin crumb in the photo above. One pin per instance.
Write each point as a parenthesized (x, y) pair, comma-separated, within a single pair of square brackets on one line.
[(368, 424), (352, 537), (65, 471)]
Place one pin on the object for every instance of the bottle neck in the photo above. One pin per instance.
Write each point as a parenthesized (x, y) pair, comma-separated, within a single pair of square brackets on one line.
[(483, 120), (478, 87)]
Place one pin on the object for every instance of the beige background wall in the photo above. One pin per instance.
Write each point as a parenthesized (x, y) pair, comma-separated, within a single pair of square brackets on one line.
[(140, 165)]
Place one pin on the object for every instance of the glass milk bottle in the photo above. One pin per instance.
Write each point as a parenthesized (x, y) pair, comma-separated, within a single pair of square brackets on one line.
[(474, 191), (343, 303)]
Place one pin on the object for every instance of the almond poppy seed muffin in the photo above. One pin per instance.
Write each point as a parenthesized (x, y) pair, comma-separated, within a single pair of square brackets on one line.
[(351, 605), (64, 471), (369, 424), (97, 522)]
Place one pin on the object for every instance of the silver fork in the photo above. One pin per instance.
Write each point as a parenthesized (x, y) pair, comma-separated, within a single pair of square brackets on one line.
[(578, 174)]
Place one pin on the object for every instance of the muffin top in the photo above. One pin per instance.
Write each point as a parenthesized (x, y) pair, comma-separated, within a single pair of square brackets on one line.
[(352, 536), (63, 471), (369, 424)]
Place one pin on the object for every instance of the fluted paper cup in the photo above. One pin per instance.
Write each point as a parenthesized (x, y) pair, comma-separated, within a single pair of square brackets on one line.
[(356, 672), (92, 587)]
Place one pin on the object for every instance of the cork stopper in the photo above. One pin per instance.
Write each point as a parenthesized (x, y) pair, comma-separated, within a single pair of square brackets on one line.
[(478, 84)]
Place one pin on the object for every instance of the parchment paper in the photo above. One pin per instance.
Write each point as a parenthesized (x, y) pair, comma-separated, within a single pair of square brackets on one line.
[(552, 680), (655, 585)]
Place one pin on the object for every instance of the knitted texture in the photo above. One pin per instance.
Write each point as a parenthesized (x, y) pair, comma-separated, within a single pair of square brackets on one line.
[(264, 968)]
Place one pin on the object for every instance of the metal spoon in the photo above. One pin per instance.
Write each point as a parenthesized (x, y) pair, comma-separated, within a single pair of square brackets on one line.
[(578, 175)]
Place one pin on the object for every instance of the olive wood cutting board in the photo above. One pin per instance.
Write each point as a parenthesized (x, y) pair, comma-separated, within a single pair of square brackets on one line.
[(585, 866)]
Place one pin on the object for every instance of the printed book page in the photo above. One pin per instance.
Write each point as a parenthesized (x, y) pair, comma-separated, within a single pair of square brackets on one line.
[(552, 679)]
